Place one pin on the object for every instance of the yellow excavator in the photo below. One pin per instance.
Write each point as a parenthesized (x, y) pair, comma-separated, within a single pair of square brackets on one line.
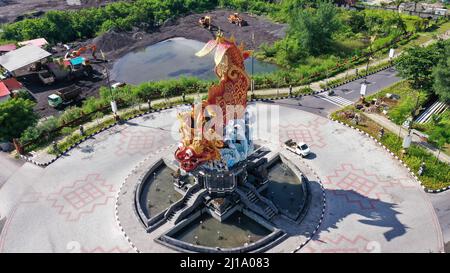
[(236, 19), (205, 22)]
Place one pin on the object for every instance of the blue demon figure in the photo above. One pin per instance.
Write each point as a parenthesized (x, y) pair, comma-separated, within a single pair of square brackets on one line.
[(238, 143)]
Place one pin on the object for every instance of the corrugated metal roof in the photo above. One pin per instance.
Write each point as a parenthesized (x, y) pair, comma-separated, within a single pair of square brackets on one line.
[(37, 42), (4, 90), (12, 84), (77, 61), (23, 56), (7, 48)]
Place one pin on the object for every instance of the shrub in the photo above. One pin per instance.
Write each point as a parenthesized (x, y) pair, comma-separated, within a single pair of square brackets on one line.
[(70, 115), (16, 115)]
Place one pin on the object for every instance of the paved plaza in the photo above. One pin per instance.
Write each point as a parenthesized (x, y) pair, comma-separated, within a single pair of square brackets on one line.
[(372, 202)]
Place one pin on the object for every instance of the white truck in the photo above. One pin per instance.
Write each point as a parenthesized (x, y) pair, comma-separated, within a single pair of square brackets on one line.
[(300, 148)]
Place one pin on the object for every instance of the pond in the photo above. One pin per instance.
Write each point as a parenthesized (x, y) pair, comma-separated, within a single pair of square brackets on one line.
[(285, 189), (172, 58), (235, 231), (159, 192)]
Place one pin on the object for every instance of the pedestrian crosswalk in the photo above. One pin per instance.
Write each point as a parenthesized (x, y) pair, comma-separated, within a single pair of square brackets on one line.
[(336, 100)]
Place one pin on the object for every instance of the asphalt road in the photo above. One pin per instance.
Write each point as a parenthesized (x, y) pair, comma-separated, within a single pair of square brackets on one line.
[(323, 105), (441, 204), (81, 164)]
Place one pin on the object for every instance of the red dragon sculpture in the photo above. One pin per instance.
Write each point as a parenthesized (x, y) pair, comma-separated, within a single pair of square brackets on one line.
[(194, 148)]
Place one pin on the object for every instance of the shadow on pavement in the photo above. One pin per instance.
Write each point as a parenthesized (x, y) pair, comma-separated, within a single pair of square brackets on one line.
[(311, 156), (377, 213)]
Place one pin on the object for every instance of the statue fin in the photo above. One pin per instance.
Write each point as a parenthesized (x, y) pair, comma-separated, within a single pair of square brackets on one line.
[(209, 46)]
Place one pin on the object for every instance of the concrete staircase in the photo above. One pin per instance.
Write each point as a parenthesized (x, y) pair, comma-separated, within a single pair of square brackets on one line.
[(186, 205), (257, 203)]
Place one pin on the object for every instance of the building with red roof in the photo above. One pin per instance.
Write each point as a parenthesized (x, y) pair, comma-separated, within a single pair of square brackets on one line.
[(4, 92), (7, 86), (7, 48)]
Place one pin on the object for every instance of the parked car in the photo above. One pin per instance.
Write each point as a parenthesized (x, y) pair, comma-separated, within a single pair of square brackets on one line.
[(300, 148)]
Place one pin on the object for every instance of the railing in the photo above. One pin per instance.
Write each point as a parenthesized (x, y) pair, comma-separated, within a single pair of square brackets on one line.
[(180, 203)]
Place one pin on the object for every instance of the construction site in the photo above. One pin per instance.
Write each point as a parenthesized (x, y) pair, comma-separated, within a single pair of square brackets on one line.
[(60, 75), (15, 10)]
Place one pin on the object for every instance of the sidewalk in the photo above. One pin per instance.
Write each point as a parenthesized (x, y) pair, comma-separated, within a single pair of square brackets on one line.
[(43, 156), (396, 129)]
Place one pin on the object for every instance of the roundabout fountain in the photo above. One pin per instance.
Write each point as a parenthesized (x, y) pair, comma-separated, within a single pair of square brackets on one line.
[(220, 189)]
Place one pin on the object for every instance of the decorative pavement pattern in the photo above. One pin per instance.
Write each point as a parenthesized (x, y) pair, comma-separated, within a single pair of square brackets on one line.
[(82, 197), (342, 244), (308, 133), (362, 188), (373, 205)]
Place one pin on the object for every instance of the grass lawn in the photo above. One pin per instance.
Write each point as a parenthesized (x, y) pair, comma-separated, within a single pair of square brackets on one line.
[(427, 36), (400, 110)]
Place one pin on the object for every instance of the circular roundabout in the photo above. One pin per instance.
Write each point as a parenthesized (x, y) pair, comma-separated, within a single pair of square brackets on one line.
[(325, 202), (358, 197), (279, 180), (155, 208)]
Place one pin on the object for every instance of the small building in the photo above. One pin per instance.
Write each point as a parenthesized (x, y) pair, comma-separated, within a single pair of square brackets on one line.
[(7, 48), (40, 42), (8, 87), (5, 94), (59, 71), (23, 57)]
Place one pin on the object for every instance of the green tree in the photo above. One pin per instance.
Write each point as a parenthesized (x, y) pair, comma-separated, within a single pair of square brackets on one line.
[(441, 75), (313, 28), (417, 64), (15, 116), (440, 134)]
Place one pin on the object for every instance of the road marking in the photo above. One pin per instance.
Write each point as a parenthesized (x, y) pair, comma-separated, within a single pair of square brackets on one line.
[(336, 100)]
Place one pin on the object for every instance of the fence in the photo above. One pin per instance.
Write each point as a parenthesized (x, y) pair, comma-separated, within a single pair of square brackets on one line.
[(45, 136), (422, 14)]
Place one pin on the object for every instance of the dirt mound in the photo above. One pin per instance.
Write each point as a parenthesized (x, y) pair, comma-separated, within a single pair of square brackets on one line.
[(112, 41), (11, 9)]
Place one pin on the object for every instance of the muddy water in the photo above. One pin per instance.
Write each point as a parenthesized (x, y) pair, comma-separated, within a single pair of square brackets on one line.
[(172, 58), (285, 189), (159, 192), (235, 231)]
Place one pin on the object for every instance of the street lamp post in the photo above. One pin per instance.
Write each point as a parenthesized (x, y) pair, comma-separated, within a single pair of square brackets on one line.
[(391, 56), (113, 101), (363, 91), (367, 68), (372, 39), (252, 84)]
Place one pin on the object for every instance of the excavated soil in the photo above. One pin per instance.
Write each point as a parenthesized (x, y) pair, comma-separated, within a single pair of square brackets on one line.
[(10, 10), (262, 29), (116, 44)]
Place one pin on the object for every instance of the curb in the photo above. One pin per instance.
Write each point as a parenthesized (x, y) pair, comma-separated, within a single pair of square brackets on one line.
[(413, 175), (45, 164), (321, 90), (116, 203), (322, 215)]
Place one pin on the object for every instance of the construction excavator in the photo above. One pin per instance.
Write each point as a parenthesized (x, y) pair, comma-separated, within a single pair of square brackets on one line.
[(81, 50), (205, 21), (236, 19)]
